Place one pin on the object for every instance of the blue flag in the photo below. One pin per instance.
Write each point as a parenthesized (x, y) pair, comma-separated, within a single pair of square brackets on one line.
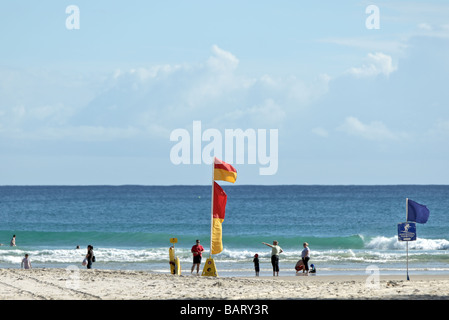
[(417, 212)]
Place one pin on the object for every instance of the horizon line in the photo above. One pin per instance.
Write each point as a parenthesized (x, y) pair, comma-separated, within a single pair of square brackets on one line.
[(206, 185)]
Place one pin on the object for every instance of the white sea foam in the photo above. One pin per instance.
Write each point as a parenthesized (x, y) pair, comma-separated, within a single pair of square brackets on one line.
[(379, 250), (392, 243)]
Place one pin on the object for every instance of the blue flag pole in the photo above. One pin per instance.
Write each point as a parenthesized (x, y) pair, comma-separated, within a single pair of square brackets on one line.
[(406, 219), (408, 278)]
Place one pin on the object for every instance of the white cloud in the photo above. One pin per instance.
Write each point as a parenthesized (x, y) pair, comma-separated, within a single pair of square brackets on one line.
[(268, 114), (153, 100), (319, 131), (375, 130), (376, 63), (222, 60), (440, 129), (433, 30), (212, 91), (83, 133), (443, 126), (397, 46), (425, 26)]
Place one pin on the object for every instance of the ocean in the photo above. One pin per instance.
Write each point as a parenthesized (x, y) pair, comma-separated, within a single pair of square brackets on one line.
[(350, 229)]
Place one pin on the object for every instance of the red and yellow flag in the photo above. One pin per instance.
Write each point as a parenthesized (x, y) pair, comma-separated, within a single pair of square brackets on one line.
[(224, 171), (220, 199)]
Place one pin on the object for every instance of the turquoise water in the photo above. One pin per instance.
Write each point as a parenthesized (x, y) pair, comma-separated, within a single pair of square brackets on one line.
[(348, 228)]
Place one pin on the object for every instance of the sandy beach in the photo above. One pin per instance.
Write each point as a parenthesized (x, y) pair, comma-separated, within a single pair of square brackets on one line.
[(82, 284)]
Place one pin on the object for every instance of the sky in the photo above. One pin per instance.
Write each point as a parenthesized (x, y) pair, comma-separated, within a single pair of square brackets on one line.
[(144, 92)]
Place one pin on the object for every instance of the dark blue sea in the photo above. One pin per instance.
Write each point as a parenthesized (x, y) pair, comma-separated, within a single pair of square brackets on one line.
[(348, 228)]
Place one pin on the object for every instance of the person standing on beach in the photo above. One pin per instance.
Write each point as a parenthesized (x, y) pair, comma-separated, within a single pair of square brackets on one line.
[(26, 263), (275, 251), (90, 256), (305, 256), (197, 251), (13, 241)]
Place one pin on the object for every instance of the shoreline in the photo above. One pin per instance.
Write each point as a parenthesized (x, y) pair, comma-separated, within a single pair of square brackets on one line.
[(100, 284)]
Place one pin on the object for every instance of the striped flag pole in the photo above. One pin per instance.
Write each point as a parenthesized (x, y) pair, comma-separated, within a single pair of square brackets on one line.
[(212, 208)]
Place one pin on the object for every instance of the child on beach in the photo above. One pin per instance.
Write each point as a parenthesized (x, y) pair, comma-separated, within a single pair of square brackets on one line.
[(26, 263), (256, 264)]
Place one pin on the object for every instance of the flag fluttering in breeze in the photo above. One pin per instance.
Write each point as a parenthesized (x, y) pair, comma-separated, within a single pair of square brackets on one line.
[(225, 172), (220, 199), (417, 212)]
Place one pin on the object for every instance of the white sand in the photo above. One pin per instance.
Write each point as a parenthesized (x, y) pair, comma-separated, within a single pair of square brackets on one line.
[(82, 284)]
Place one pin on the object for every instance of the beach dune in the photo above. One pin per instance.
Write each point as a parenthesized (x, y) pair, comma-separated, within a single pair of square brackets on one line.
[(82, 284)]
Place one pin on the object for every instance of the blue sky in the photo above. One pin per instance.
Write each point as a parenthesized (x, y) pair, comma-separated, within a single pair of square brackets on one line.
[(97, 105)]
